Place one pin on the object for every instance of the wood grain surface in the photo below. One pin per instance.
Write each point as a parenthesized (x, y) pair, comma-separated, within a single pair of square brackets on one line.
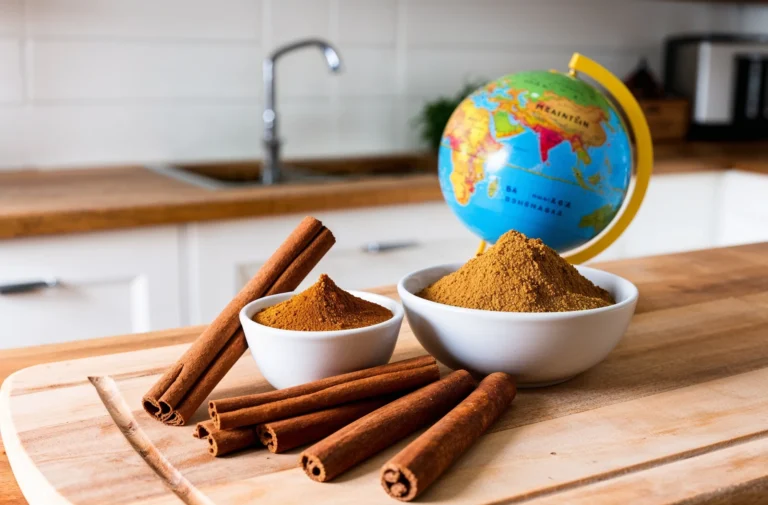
[(66, 201), (17, 359), (676, 414)]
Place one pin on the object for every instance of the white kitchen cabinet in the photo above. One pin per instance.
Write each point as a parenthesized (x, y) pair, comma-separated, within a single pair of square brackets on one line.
[(152, 278), (683, 212), (679, 213), (743, 210), (110, 283), (224, 255)]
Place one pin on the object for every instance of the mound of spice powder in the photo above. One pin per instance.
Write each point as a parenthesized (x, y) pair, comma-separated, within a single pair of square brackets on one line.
[(518, 274), (322, 307)]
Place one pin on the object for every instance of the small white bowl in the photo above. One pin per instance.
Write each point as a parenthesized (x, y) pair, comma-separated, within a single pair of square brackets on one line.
[(287, 358), (540, 349)]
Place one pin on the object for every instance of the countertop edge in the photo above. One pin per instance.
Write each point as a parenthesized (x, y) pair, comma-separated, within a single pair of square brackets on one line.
[(58, 202), (207, 205)]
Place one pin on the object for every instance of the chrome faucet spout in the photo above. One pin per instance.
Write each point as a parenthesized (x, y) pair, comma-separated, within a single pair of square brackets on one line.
[(270, 173)]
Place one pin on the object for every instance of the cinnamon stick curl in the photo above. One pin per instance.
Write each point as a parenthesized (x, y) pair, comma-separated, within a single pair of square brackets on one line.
[(424, 460)]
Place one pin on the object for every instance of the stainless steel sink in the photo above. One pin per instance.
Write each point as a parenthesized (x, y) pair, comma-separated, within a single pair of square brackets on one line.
[(240, 174), (215, 181)]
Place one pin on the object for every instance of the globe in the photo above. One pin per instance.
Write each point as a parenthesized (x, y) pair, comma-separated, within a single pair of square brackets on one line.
[(543, 153)]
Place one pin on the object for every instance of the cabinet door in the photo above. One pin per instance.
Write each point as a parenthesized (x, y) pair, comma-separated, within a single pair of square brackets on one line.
[(224, 255), (744, 209), (680, 213), (108, 283)]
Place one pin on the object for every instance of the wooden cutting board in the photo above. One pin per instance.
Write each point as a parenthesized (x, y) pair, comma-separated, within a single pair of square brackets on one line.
[(678, 412)]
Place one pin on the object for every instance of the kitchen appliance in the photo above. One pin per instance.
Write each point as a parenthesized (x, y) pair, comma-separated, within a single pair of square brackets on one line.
[(726, 79)]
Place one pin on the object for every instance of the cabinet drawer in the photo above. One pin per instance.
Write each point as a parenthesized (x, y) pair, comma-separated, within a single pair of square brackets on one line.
[(109, 283)]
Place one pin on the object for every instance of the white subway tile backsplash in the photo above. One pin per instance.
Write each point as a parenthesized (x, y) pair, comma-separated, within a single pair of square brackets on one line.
[(303, 74), (299, 19), (117, 81), (12, 145), (368, 125), (433, 72), (197, 19), (407, 128), (444, 72), (11, 81), (368, 72), (755, 19), (527, 25), (367, 22), (90, 135), (11, 17), (83, 70), (454, 23), (308, 128)]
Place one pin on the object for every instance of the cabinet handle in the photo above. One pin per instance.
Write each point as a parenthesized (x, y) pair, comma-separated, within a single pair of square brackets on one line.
[(379, 247), (27, 287)]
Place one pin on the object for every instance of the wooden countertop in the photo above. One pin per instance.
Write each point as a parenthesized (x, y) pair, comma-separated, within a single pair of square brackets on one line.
[(67, 201), (709, 283)]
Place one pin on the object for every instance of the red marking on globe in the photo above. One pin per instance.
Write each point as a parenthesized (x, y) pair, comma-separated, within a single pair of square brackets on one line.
[(470, 182), (548, 139)]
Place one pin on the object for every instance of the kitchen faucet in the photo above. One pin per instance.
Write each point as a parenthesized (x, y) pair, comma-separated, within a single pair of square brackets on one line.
[(270, 172)]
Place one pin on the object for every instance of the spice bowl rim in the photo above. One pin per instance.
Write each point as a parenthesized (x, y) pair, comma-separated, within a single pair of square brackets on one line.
[(448, 268), (247, 313)]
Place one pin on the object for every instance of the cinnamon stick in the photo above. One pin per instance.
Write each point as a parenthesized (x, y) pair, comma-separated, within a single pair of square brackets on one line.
[(152, 456), (360, 389), (203, 429), (186, 384), (221, 442), (225, 405), (417, 466), (281, 436), (383, 427)]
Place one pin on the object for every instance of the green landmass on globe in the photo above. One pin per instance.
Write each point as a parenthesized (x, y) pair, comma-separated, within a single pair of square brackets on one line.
[(552, 138), (493, 187), (599, 219)]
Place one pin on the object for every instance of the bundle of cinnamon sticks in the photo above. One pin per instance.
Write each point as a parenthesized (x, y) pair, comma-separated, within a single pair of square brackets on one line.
[(186, 384), (358, 414), (287, 418)]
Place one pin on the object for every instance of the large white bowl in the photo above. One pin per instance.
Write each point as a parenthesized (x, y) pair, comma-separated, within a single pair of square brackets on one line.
[(538, 348), (287, 358)]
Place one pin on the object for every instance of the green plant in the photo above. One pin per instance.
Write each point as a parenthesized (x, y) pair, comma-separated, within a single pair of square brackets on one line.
[(434, 116)]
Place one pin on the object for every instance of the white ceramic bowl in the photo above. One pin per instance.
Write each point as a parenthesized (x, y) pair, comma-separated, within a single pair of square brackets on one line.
[(538, 348), (287, 358)]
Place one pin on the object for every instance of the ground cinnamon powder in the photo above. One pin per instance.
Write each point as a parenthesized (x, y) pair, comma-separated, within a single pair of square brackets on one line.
[(518, 274), (322, 307)]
